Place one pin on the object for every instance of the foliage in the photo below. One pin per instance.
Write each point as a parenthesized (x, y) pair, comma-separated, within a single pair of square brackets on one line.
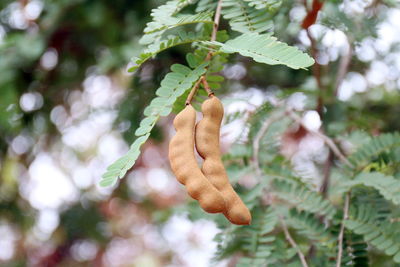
[(257, 240), (171, 41), (260, 4), (264, 48), (245, 18), (154, 31), (381, 234), (305, 199), (264, 65), (315, 217), (387, 186), (384, 142)]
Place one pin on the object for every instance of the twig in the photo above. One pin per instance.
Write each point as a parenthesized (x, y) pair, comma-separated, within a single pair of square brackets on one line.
[(293, 243), (193, 91), (233, 260), (327, 174), (207, 87), (308, 21), (316, 69), (343, 68), (312, 13), (328, 141), (217, 18), (341, 233), (257, 139)]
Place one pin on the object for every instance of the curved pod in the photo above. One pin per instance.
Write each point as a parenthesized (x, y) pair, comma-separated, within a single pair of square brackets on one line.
[(207, 145), (184, 164)]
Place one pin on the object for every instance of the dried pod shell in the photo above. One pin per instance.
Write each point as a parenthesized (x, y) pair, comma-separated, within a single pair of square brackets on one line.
[(208, 146), (184, 164)]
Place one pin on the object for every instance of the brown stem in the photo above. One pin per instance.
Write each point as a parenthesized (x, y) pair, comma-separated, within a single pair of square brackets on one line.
[(193, 91), (327, 174), (316, 69), (257, 139), (206, 86), (343, 68), (293, 243), (217, 18), (341, 233), (328, 141)]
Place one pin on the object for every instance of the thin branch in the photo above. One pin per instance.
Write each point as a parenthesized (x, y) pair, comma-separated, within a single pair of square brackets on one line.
[(327, 174), (193, 91), (316, 69), (257, 139), (341, 233), (217, 18), (207, 87), (328, 141), (293, 243), (312, 13), (343, 68)]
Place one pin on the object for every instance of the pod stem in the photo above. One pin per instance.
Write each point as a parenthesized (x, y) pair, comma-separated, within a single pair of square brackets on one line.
[(193, 91), (207, 87)]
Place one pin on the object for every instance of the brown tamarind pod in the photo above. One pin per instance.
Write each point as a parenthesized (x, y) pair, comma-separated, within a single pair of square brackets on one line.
[(184, 164), (208, 146)]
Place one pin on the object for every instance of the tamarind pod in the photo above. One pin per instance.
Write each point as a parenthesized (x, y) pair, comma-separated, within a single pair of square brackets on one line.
[(184, 164), (208, 146)]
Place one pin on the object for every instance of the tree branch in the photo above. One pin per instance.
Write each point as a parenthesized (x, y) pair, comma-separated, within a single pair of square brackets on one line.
[(327, 174), (217, 18), (316, 69), (328, 141), (341, 233), (292, 242), (308, 21), (343, 68), (257, 139)]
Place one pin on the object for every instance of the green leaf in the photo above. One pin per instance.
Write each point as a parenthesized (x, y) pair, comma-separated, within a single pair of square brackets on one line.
[(206, 5), (308, 225), (265, 48), (256, 240), (119, 168), (155, 29), (388, 186), (163, 14), (170, 41), (246, 17), (381, 234), (215, 78), (297, 193), (271, 5), (376, 146)]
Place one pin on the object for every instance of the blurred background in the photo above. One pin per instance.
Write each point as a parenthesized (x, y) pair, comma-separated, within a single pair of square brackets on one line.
[(69, 108)]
